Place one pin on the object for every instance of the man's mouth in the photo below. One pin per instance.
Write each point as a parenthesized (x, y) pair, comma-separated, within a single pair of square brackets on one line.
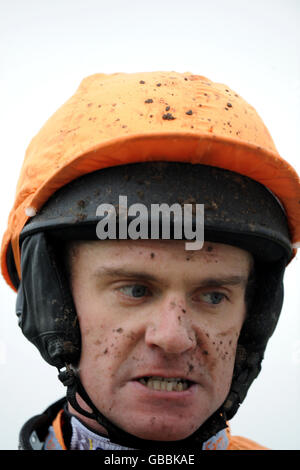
[(168, 384)]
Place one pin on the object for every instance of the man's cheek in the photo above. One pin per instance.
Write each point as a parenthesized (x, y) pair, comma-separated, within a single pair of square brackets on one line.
[(217, 354), (225, 344)]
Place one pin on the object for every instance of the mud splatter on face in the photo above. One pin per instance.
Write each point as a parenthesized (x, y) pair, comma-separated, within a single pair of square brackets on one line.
[(119, 330), (131, 336)]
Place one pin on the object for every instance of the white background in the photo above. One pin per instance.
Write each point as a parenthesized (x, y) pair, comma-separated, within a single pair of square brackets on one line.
[(47, 47)]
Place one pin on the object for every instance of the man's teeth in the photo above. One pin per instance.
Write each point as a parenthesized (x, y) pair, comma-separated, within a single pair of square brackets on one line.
[(167, 384)]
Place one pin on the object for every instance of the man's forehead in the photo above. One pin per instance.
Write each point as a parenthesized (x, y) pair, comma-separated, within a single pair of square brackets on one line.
[(147, 256), (143, 246)]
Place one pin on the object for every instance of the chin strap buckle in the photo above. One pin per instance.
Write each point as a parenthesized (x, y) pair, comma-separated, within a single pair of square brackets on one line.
[(68, 375)]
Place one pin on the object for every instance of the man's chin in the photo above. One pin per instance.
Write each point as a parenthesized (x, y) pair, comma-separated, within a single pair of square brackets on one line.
[(163, 432)]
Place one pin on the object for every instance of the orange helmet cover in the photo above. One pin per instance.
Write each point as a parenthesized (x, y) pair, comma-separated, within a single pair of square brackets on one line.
[(115, 119)]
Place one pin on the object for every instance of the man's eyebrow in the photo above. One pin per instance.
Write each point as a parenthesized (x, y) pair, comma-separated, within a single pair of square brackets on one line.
[(234, 280), (124, 273), (224, 281)]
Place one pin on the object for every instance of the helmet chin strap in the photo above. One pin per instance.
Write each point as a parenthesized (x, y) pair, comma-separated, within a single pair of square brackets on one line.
[(70, 378)]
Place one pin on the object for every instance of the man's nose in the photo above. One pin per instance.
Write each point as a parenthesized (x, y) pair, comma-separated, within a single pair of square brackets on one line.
[(170, 329)]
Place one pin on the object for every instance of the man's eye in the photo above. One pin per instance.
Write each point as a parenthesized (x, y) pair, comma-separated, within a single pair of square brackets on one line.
[(136, 291), (213, 298)]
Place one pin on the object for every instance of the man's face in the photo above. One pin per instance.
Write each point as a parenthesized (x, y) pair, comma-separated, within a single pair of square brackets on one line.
[(159, 328)]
